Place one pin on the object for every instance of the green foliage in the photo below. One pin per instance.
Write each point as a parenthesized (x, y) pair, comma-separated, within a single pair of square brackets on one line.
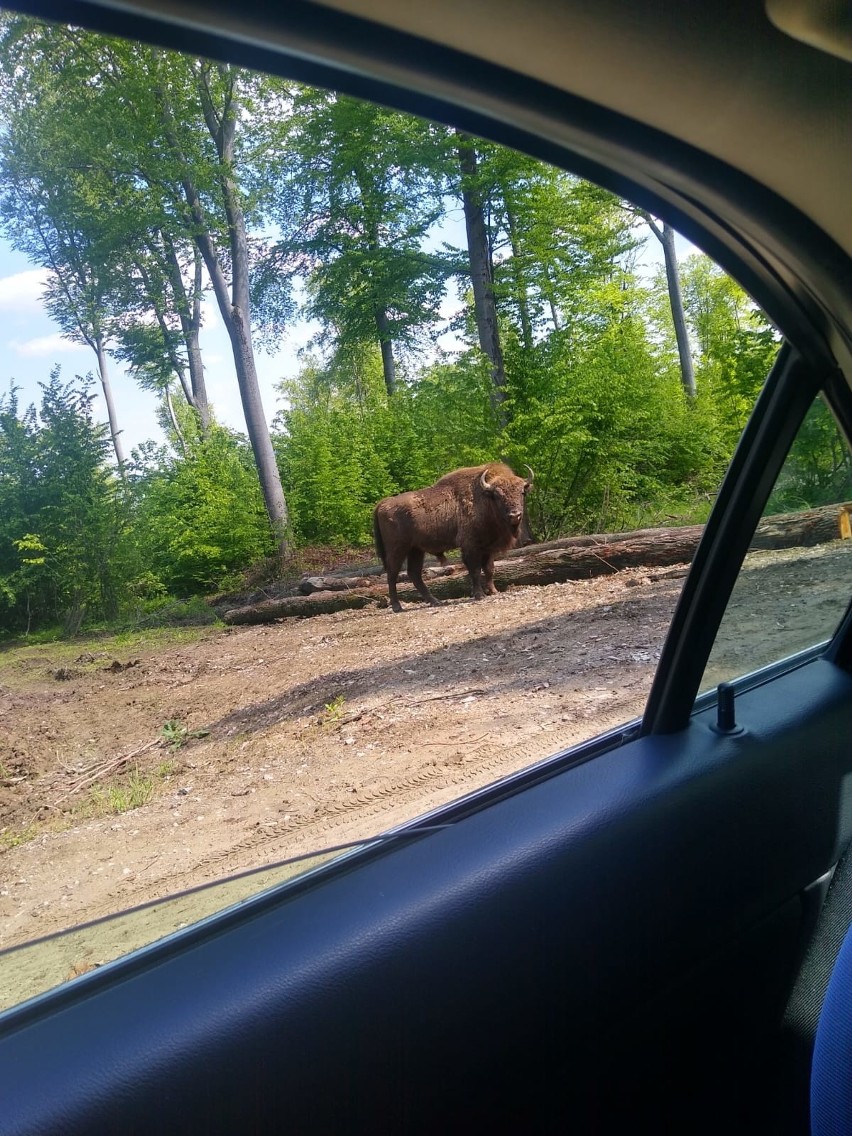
[(596, 408), (177, 735), (329, 453), (201, 516), (137, 612), (122, 167), (62, 512), (818, 469), (79, 546), (354, 201), (608, 436), (451, 417), (342, 443), (736, 342), (334, 709)]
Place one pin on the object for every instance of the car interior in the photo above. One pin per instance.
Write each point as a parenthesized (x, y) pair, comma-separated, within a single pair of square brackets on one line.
[(642, 929)]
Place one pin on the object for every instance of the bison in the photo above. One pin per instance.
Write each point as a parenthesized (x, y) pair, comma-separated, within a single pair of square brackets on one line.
[(478, 510)]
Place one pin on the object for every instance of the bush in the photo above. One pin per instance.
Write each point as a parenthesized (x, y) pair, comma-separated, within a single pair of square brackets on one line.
[(200, 518)]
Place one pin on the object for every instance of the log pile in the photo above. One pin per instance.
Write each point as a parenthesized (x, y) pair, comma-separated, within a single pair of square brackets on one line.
[(572, 558)]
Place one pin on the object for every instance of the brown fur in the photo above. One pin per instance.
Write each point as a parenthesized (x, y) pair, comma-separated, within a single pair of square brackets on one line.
[(455, 512)]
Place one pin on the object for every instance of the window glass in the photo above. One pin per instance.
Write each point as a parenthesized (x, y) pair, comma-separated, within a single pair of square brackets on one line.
[(796, 580), (240, 312)]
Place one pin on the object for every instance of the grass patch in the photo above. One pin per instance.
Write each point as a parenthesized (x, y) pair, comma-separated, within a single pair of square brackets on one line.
[(94, 651), (168, 612), (116, 799), (167, 617), (13, 838)]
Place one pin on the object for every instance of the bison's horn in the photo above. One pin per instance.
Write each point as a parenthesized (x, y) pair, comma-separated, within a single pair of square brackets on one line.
[(483, 479), (532, 475)]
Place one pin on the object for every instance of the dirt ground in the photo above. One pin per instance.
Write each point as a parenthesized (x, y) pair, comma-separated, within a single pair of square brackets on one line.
[(256, 744)]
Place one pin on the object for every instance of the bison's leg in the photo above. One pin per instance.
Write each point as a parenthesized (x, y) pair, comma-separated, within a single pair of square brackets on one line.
[(415, 573), (488, 573), (392, 566), (473, 563)]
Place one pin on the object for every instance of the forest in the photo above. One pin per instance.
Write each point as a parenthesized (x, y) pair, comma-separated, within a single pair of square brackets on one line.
[(148, 184)]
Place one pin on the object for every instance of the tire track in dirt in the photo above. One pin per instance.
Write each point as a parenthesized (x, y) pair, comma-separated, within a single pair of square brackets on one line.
[(481, 766)]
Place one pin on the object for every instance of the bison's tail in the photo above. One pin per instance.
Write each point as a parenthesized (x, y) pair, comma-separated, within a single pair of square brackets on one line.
[(377, 538)]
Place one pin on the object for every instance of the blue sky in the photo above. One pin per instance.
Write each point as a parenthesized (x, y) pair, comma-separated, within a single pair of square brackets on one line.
[(32, 345)]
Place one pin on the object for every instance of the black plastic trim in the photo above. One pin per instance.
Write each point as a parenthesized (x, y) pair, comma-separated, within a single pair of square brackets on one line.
[(836, 394), (785, 399), (755, 679)]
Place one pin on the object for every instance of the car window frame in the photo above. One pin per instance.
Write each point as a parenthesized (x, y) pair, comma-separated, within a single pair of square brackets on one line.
[(789, 392), (804, 368)]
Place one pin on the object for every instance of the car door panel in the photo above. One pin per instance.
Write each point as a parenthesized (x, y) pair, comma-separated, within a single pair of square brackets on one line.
[(660, 882)]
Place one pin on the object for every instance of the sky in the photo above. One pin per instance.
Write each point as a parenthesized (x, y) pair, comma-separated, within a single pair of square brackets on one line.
[(31, 344)]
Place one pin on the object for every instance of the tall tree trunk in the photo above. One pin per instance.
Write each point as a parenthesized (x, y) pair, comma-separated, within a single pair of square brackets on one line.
[(666, 237), (520, 286), (234, 303), (196, 379), (481, 275), (383, 328), (92, 335), (167, 395), (115, 433), (190, 323), (687, 372), (170, 346), (386, 344), (193, 352), (239, 331)]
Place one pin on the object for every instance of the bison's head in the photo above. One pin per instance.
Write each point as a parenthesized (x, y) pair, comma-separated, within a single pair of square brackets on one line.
[(507, 492)]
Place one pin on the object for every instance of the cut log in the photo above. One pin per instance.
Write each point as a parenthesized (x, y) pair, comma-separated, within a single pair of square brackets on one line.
[(310, 584), (596, 540), (300, 606), (556, 561), (802, 530)]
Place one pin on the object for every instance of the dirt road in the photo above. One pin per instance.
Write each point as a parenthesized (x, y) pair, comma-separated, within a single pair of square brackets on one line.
[(287, 738)]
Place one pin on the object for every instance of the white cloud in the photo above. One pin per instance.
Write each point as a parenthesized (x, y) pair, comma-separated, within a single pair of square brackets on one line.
[(45, 345), (22, 291)]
